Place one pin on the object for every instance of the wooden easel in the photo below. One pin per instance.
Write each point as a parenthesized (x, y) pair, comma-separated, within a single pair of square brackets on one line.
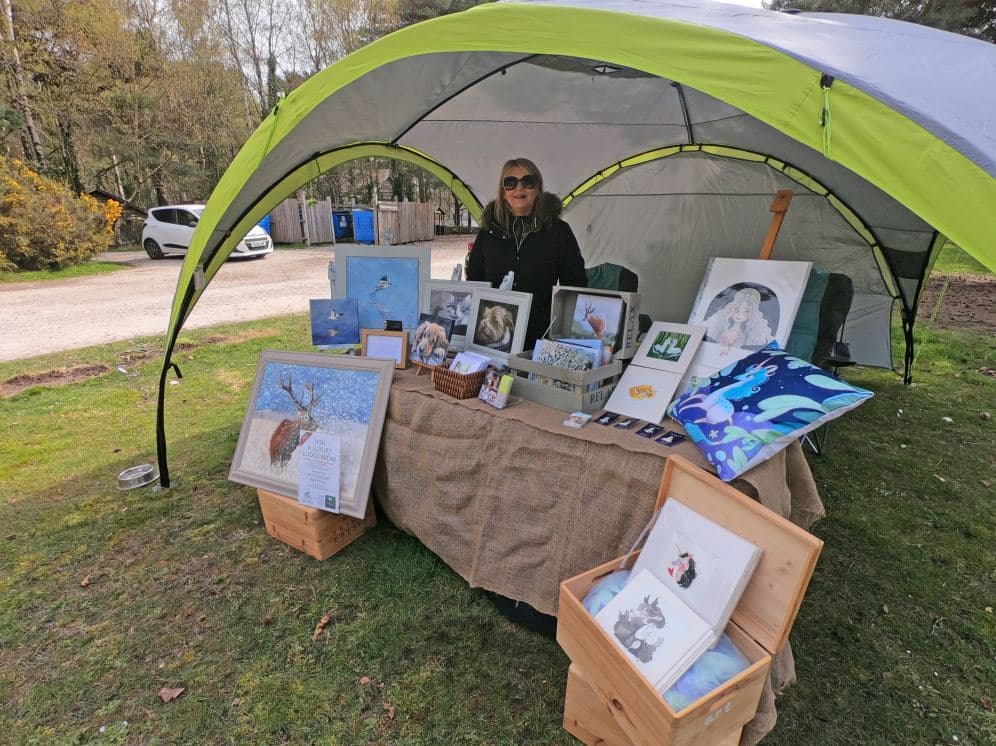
[(422, 366), (779, 206)]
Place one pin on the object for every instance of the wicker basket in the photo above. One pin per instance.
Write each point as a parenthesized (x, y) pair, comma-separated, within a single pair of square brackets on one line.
[(457, 385)]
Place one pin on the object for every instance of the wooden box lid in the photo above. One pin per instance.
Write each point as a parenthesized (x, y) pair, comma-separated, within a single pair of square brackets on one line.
[(771, 600)]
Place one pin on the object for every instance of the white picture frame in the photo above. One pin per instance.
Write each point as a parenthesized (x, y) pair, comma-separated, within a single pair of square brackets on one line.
[(295, 392), (460, 309), (387, 282), (745, 304), (498, 323), (669, 346)]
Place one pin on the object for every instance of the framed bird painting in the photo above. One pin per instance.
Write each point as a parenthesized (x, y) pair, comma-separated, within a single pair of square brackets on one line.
[(387, 282)]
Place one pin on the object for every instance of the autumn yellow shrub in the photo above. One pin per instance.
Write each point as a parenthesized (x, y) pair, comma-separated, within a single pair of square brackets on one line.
[(43, 225)]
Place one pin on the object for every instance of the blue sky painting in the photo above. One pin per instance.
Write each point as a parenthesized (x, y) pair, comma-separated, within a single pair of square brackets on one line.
[(385, 288), (345, 394), (334, 322)]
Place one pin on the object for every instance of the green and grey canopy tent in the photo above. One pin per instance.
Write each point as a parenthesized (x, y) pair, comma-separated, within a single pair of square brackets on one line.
[(667, 127)]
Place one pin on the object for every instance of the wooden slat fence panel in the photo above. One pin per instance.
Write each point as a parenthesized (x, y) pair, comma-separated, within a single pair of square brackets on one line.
[(404, 222)]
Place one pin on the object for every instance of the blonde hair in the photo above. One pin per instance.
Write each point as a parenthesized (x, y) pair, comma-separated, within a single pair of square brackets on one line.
[(502, 214)]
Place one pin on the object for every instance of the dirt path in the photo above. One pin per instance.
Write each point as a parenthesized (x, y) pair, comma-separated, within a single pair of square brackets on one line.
[(43, 317)]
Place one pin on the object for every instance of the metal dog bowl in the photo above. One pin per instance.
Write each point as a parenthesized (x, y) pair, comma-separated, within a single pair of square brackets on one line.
[(137, 476)]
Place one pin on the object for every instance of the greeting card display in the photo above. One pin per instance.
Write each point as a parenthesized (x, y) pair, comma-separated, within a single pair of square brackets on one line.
[(598, 317)]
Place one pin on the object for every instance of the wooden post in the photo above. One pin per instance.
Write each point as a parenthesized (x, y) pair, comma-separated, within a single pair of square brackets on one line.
[(302, 204), (779, 206)]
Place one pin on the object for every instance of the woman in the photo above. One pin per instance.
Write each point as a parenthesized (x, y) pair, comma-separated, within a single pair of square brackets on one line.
[(521, 231)]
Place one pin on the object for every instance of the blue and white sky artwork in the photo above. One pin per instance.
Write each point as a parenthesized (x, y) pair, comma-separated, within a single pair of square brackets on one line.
[(346, 394), (334, 321), (385, 288)]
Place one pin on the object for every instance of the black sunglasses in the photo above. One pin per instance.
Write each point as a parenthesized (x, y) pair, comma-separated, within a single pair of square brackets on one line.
[(510, 182)]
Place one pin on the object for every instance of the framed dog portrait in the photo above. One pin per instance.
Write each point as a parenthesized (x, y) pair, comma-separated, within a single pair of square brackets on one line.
[(668, 346), (452, 299), (382, 343), (386, 281), (298, 393), (498, 323)]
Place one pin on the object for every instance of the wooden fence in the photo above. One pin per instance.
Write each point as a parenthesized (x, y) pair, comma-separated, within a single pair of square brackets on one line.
[(404, 222), (293, 221)]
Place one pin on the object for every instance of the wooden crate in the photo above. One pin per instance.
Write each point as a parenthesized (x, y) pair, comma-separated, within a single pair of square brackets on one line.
[(565, 300), (315, 532), (759, 627), (581, 399)]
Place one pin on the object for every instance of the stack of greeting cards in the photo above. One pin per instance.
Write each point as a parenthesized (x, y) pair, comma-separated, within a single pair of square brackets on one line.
[(681, 593)]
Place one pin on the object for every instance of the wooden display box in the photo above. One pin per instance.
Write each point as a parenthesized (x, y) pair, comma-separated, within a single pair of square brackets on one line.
[(759, 628), (565, 301), (581, 399), (315, 532)]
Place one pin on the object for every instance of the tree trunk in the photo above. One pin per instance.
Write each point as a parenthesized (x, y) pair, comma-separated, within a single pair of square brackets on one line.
[(69, 155), (30, 137)]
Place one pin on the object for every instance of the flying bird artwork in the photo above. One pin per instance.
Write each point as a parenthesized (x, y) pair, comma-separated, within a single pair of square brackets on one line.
[(384, 284)]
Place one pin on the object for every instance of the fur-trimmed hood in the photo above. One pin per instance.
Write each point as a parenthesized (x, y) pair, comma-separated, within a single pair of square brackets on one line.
[(547, 211)]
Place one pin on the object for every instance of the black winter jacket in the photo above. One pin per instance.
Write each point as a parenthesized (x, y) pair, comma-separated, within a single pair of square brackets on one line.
[(547, 255)]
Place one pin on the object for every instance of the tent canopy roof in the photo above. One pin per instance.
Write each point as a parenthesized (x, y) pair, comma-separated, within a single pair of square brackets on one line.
[(888, 129)]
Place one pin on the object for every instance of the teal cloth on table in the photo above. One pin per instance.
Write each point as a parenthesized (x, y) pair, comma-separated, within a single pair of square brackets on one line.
[(805, 330)]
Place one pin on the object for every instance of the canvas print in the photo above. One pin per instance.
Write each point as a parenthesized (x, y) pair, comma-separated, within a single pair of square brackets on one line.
[(498, 325), (432, 339), (706, 565), (643, 393), (452, 300), (334, 322), (668, 346), (598, 317), (386, 281), (295, 393)]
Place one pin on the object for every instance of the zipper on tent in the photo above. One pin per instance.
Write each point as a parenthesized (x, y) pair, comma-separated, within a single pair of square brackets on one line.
[(826, 81)]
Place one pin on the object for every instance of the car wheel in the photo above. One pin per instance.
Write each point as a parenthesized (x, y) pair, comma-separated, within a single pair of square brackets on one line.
[(152, 249)]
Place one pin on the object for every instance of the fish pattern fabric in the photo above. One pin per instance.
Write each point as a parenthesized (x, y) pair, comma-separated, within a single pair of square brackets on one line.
[(752, 409)]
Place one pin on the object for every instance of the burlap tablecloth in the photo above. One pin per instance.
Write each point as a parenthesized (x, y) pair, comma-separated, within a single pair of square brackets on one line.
[(515, 502)]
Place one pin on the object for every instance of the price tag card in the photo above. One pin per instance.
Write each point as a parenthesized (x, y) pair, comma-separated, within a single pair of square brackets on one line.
[(318, 471)]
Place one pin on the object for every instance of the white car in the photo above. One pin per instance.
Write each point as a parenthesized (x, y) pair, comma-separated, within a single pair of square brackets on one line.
[(170, 228)]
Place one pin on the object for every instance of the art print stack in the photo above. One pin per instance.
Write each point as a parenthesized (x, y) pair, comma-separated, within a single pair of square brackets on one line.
[(565, 354), (651, 380), (682, 590)]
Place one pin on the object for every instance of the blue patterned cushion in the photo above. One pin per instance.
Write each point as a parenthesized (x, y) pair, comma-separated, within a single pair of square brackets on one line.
[(752, 409)]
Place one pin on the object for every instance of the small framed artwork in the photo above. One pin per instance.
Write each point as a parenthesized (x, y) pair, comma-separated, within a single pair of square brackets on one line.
[(668, 346), (498, 323), (385, 344), (296, 394), (387, 282), (452, 299)]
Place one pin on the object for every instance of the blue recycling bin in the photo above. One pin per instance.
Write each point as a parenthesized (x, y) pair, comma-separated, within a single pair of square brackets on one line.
[(342, 225), (363, 226), (265, 224)]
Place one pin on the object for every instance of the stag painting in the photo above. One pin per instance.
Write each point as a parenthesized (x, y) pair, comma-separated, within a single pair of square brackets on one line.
[(287, 434), (597, 317)]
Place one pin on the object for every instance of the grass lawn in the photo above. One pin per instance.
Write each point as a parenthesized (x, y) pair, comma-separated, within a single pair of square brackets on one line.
[(95, 267), (954, 259), (107, 596)]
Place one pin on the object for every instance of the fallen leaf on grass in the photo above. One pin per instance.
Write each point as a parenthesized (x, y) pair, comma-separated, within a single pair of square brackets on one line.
[(168, 695), (986, 483), (85, 582), (390, 710), (987, 703), (940, 477), (322, 624), (364, 680)]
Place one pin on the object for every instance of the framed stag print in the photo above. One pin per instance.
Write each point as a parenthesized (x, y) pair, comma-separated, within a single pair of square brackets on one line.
[(295, 394)]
